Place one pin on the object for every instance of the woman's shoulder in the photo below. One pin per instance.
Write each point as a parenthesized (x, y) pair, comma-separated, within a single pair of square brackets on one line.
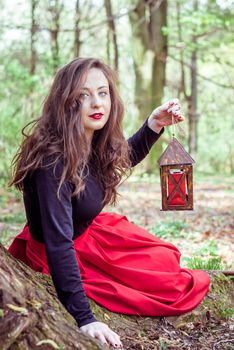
[(51, 171), (50, 167), (52, 161), (48, 175), (52, 164)]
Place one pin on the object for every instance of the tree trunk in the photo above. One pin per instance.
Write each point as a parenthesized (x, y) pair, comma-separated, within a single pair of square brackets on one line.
[(33, 38), (182, 90), (77, 30), (55, 10), (190, 97), (111, 34), (149, 54), (32, 318), (30, 312), (192, 110), (158, 44)]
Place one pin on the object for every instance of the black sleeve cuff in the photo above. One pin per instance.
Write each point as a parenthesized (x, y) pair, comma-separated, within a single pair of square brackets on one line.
[(81, 323), (151, 133), (141, 143)]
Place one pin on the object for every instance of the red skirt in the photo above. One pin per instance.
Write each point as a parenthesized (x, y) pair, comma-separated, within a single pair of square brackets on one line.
[(125, 269)]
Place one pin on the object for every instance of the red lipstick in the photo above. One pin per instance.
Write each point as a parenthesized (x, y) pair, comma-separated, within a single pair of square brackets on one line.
[(96, 115)]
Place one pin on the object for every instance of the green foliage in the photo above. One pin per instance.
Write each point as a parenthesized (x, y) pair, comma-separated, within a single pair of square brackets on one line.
[(211, 24), (1, 313), (4, 237), (205, 258), (220, 298), (162, 345), (22, 94), (209, 248), (146, 177), (205, 263), (17, 217), (3, 200), (169, 229), (20, 100)]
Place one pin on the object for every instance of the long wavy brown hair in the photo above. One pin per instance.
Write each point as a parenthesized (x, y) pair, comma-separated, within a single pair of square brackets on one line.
[(60, 133)]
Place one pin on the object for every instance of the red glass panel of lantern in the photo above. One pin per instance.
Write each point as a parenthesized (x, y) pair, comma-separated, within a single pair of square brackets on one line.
[(177, 187)]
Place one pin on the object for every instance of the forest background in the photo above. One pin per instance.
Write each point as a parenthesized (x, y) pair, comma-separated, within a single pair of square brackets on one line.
[(161, 50)]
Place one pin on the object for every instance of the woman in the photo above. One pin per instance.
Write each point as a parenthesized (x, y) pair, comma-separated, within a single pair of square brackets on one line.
[(68, 169)]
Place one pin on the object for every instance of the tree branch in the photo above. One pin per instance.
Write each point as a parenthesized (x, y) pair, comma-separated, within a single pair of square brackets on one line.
[(202, 76)]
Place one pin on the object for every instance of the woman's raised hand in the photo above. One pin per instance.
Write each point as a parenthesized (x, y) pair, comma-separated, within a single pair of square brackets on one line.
[(102, 332), (162, 115)]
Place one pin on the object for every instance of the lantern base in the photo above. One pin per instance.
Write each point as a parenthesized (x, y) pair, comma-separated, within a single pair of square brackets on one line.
[(176, 208)]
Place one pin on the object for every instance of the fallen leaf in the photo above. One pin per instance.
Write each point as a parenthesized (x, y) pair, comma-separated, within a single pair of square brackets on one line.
[(35, 304), (19, 309), (48, 341)]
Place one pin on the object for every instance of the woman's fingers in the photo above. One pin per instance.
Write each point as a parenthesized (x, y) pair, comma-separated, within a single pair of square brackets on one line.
[(113, 339), (175, 110), (180, 119), (100, 337), (167, 114), (174, 107), (173, 102), (171, 105), (102, 332)]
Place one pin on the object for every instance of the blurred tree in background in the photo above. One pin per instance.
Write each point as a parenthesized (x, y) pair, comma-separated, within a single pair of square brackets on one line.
[(161, 48)]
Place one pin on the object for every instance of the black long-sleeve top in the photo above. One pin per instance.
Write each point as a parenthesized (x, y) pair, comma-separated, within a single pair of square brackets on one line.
[(58, 222)]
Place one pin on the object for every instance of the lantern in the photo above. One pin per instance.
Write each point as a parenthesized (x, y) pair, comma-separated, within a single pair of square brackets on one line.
[(176, 174)]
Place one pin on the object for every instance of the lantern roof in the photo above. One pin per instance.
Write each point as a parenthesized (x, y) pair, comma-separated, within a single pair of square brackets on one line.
[(175, 154)]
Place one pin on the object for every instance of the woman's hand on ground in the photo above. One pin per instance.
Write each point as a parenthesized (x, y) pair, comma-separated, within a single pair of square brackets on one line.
[(102, 332), (164, 115)]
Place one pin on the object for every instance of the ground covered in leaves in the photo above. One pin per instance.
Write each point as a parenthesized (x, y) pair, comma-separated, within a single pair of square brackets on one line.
[(205, 335), (205, 237), (207, 327)]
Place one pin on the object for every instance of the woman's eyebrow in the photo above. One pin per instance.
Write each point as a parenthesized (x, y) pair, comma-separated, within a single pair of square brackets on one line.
[(86, 88)]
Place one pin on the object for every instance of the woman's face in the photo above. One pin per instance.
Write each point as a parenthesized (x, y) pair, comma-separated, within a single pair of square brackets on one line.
[(95, 101)]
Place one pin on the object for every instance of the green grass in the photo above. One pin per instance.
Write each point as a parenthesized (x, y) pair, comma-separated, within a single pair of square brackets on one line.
[(16, 218), (210, 247), (169, 229), (4, 237), (205, 263), (220, 298), (205, 258)]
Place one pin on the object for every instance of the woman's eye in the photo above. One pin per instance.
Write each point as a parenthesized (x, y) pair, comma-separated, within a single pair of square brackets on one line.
[(103, 93), (82, 95)]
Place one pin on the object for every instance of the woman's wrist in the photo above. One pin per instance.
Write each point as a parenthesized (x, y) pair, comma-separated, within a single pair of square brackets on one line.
[(86, 322), (153, 125)]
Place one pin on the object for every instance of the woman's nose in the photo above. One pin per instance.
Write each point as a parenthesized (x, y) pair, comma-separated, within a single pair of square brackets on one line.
[(96, 101)]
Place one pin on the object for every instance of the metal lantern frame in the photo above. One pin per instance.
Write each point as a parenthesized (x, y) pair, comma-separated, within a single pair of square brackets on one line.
[(176, 158)]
